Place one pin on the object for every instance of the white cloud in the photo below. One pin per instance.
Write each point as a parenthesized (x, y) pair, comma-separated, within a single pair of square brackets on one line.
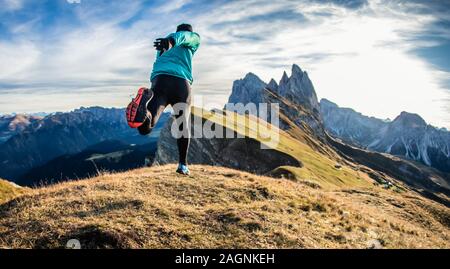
[(23, 54), (366, 61), (11, 5), (172, 5), (358, 58)]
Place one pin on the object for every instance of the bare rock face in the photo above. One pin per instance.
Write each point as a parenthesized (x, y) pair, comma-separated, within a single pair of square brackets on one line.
[(273, 85), (411, 137), (238, 153), (248, 90), (350, 126), (299, 89)]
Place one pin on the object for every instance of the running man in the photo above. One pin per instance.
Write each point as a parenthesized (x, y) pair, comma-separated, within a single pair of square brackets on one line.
[(171, 81)]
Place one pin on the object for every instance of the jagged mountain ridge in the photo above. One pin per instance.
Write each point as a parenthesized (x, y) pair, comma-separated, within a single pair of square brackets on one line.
[(408, 135), (299, 100), (350, 126)]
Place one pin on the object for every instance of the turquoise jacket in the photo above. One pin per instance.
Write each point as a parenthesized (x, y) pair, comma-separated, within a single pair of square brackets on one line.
[(178, 60)]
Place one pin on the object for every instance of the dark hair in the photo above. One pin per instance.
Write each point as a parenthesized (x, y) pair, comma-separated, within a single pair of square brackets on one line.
[(184, 27)]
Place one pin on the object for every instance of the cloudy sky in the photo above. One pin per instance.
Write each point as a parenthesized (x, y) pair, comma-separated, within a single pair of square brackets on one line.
[(379, 57)]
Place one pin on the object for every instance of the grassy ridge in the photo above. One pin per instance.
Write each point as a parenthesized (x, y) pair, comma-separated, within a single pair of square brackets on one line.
[(319, 161)]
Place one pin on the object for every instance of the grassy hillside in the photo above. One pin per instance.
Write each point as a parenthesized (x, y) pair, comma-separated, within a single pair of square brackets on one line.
[(320, 163), (9, 191), (218, 207)]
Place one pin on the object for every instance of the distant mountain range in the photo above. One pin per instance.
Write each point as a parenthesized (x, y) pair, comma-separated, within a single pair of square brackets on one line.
[(30, 142), (407, 136)]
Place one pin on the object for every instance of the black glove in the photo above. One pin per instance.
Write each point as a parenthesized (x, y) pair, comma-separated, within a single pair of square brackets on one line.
[(162, 44)]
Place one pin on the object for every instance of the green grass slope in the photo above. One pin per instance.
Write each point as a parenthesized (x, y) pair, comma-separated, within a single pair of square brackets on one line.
[(320, 163)]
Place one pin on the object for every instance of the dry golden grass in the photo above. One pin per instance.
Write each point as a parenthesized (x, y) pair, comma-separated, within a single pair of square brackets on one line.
[(9, 191), (218, 208)]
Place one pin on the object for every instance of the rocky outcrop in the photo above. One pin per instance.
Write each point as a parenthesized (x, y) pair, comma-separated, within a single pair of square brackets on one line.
[(409, 136), (299, 89)]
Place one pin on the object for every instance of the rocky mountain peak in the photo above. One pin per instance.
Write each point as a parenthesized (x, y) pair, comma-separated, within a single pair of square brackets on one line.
[(409, 120), (272, 85), (327, 103), (299, 89), (284, 78), (13, 124), (251, 77), (296, 71), (247, 90)]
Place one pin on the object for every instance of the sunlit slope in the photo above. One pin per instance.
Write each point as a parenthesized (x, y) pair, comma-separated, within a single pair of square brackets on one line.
[(9, 191), (320, 163)]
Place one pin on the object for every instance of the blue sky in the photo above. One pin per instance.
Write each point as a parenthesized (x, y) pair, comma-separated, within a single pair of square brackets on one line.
[(379, 57)]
